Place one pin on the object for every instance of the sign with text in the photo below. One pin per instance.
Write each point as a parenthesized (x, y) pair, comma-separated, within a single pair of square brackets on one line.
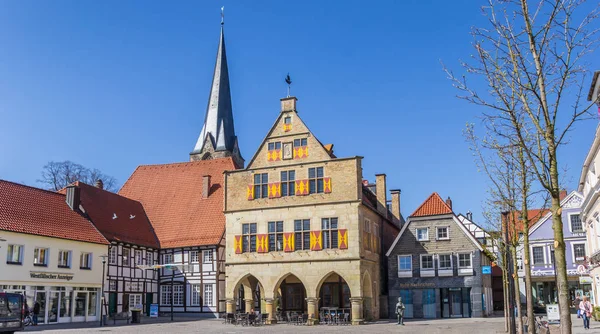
[(585, 280), (486, 270), (552, 312), (46, 275), (153, 310)]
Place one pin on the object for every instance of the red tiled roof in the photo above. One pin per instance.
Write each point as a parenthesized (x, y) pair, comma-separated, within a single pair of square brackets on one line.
[(516, 226), (172, 197), (433, 205), (118, 218), (25, 209)]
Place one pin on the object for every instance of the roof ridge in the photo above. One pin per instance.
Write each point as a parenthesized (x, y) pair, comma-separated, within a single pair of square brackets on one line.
[(32, 187), (197, 162), (431, 197)]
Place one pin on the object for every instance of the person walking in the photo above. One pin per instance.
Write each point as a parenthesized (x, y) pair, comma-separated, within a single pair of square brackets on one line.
[(586, 311), (36, 312), (576, 303)]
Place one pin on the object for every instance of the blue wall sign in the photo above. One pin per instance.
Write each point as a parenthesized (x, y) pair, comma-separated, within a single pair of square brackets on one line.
[(486, 270), (153, 310)]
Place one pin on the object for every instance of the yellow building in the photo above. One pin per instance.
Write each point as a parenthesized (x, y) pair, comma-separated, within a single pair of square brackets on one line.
[(305, 233)]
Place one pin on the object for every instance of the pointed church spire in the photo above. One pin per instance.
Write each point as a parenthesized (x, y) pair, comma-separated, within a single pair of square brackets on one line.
[(217, 138)]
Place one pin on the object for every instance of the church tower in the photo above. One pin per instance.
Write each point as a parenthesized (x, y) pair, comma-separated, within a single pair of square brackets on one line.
[(217, 138)]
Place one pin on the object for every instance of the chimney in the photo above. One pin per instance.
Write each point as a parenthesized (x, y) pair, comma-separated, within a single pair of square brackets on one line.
[(449, 202), (99, 184), (205, 186), (396, 205), (288, 104), (563, 194), (470, 215), (73, 197), (381, 192)]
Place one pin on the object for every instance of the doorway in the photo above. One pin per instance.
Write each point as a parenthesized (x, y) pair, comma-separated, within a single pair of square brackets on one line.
[(112, 303), (455, 303), (149, 301)]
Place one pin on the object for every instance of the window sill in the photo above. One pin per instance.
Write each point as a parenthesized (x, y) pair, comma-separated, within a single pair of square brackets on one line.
[(40, 265), (465, 271), (64, 267), (85, 268), (445, 272), (15, 263), (424, 240), (442, 239), (405, 273), (427, 273)]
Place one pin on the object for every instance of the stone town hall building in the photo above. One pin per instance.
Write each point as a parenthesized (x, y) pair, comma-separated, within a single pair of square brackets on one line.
[(303, 231)]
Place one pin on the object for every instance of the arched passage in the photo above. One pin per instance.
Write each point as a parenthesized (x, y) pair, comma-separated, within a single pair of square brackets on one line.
[(248, 294), (368, 300), (334, 292), (290, 295)]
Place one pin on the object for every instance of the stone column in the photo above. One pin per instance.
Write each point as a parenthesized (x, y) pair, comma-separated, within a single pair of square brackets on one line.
[(269, 310), (312, 304), (357, 310), (249, 303), (230, 308)]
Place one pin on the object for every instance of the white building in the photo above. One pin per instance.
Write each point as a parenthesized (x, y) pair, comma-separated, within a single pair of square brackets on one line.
[(50, 254)]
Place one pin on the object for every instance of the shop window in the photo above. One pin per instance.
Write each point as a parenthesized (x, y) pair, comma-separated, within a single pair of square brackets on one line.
[(329, 227), (302, 234), (92, 302), (80, 302)]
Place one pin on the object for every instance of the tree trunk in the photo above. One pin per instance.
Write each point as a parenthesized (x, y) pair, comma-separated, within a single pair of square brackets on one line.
[(560, 261), (515, 279), (528, 290), (505, 291)]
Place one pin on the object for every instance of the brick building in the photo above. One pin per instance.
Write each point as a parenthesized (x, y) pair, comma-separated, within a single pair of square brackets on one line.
[(303, 232), (435, 265)]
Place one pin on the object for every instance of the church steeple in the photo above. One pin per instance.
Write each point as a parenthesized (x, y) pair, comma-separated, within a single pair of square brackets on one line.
[(217, 138)]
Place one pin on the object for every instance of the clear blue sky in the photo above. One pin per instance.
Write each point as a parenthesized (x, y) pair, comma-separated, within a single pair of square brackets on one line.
[(115, 84)]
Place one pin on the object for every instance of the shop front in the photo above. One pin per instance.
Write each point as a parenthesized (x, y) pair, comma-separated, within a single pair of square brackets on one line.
[(544, 289), (437, 303)]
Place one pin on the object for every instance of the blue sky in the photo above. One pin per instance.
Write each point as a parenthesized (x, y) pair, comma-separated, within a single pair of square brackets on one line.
[(114, 84)]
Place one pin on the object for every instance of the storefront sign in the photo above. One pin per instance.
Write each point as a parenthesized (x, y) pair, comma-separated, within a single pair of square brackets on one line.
[(552, 312), (585, 280), (45, 275), (153, 310), (486, 270), (417, 285)]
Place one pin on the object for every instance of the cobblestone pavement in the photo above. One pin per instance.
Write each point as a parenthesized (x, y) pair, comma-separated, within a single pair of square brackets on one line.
[(446, 326)]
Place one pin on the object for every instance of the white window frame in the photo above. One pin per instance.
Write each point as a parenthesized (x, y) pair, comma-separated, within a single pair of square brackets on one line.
[(194, 257), (112, 254), (209, 296), (9, 258), (417, 233), (113, 285), (60, 259), (405, 272), (427, 272), (178, 295), (465, 270), (571, 224), (166, 297), (543, 253), (85, 261), (128, 286), (437, 232), (149, 258), (207, 253), (126, 258), (573, 251), (138, 257), (168, 256), (37, 260), (133, 298), (445, 271), (195, 294)]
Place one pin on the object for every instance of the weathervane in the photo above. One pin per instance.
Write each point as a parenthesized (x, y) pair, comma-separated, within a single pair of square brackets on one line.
[(222, 15), (288, 80)]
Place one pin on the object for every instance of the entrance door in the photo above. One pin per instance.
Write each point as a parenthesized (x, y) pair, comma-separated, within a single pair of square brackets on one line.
[(40, 297), (149, 301), (455, 303), (53, 302), (112, 303)]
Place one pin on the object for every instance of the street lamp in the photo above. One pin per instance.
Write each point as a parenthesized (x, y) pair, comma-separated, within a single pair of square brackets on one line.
[(103, 257)]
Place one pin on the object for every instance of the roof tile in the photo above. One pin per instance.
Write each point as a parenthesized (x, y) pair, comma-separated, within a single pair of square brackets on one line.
[(433, 205), (25, 209)]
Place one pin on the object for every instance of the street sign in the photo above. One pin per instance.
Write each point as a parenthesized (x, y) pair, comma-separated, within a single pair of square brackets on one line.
[(486, 270), (585, 280), (153, 310)]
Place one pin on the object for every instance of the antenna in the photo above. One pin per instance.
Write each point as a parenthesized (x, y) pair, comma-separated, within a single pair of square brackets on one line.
[(288, 80)]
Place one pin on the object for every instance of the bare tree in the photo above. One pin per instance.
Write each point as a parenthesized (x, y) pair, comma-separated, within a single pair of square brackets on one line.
[(57, 175), (532, 63)]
